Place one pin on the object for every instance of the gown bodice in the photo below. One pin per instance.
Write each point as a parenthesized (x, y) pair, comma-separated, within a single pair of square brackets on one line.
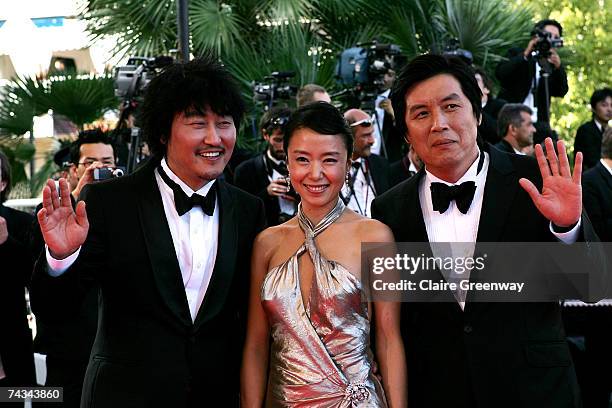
[(320, 354)]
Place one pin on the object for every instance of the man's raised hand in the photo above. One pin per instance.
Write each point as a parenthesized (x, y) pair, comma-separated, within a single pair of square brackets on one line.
[(63, 229), (561, 198)]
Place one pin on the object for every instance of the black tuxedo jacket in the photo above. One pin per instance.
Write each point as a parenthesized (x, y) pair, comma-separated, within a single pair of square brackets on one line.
[(15, 270), (252, 176), (516, 75), (492, 354), (504, 146), (379, 171), (147, 350), (597, 200), (588, 141)]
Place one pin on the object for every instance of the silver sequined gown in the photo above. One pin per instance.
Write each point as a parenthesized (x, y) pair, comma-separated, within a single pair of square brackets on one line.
[(320, 355)]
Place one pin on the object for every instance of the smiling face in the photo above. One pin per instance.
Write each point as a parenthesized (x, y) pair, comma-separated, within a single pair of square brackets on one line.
[(200, 146), (317, 165), (441, 126)]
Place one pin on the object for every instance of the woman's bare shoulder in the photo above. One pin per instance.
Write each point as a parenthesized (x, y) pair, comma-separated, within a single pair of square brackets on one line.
[(374, 231)]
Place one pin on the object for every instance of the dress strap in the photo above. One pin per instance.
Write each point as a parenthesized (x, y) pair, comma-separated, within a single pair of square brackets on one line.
[(311, 231)]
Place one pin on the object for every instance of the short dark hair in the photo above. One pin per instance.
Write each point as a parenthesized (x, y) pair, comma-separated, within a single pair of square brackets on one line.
[(322, 118), (510, 114), (427, 66), (606, 143), (547, 21), (5, 166), (275, 118), (183, 87), (90, 137), (600, 95), (306, 93), (488, 83)]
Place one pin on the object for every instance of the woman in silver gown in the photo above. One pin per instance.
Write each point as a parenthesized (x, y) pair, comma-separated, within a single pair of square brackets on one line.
[(308, 333)]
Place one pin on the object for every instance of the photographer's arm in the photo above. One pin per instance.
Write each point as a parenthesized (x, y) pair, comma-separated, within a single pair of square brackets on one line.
[(558, 77), (516, 65)]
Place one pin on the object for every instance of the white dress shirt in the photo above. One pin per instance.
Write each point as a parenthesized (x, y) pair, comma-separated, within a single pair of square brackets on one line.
[(453, 225), (530, 98), (360, 199), (194, 236), (379, 118), (286, 206), (603, 163)]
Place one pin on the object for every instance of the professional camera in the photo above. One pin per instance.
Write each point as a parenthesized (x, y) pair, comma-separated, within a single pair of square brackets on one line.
[(363, 67), (452, 49), (132, 79), (545, 43), (274, 86), (106, 173)]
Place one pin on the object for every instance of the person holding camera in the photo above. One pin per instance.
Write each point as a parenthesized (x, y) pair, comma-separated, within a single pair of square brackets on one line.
[(523, 76), (266, 175), (168, 245), (67, 343), (369, 173)]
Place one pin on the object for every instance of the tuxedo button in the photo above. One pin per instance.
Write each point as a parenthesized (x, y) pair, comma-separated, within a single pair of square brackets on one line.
[(467, 329)]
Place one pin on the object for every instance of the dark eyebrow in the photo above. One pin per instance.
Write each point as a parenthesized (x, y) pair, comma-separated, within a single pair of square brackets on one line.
[(307, 153), (452, 96)]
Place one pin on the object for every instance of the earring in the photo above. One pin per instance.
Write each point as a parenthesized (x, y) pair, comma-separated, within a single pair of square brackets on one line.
[(347, 178)]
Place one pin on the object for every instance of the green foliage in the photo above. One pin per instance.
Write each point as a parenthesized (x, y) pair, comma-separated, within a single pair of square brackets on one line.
[(82, 99), (586, 56), (19, 153)]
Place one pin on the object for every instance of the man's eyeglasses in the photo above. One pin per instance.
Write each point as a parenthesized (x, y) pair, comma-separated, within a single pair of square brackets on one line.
[(363, 123), (87, 163)]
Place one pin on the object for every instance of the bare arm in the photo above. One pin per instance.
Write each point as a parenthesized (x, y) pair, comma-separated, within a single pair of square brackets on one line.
[(389, 344), (253, 375)]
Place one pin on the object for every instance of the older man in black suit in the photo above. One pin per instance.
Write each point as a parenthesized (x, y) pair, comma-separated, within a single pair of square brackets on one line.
[(169, 247), (465, 354)]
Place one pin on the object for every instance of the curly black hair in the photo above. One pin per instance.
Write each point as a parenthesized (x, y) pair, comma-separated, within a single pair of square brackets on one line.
[(181, 88)]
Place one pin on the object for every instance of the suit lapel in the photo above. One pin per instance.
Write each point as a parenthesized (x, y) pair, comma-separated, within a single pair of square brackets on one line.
[(225, 261), (156, 232), (411, 217), (500, 189), (605, 174)]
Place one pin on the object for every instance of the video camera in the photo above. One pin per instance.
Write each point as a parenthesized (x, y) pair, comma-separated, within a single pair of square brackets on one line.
[(132, 79), (274, 86), (364, 66), (545, 43), (451, 49)]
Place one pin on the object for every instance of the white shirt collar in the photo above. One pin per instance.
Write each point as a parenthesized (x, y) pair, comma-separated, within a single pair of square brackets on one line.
[(202, 191), (603, 162), (598, 124), (275, 161)]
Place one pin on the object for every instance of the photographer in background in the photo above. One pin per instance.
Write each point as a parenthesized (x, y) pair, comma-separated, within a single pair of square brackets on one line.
[(92, 150), (67, 343), (522, 75), (265, 175)]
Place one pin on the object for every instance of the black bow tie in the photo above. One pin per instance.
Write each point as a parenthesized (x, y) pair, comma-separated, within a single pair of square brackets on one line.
[(442, 195), (183, 203), (280, 167)]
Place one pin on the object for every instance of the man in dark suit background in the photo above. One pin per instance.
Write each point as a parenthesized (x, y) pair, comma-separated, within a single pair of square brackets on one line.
[(464, 354), (588, 137), (490, 108), (520, 77), (369, 173), (169, 246), (265, 175), (16, 356), (597, 190), (516, 128), (67, 342)]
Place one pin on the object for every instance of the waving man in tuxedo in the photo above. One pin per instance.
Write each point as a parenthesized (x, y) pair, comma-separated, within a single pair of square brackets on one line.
[(464, 354), (169, 247)]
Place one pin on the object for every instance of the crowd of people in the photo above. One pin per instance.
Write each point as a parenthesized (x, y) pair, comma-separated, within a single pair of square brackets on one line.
[(165, 288)]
